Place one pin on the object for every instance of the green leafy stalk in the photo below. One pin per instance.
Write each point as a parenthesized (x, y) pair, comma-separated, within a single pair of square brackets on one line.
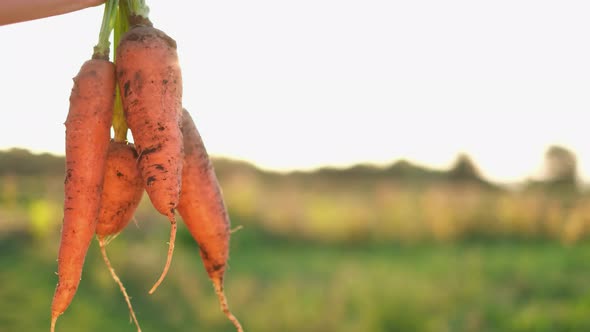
[(139, 8), (121, 26), (138, 13), (102, 49)]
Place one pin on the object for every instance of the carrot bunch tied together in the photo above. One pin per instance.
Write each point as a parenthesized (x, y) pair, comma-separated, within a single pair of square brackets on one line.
[(105, 177)]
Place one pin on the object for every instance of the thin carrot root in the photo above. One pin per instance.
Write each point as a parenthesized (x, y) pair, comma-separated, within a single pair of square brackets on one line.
[(53, 320), (170, 253), (135, 222), (235, 229), (225, 307), (108, 238), (103, 251)]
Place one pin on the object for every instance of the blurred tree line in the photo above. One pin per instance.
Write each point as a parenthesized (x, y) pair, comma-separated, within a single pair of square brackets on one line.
[(23, 162), (561, 172), (401, 202)]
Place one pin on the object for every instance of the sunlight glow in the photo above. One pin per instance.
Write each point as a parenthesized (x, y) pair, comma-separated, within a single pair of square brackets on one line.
[(290, 87)]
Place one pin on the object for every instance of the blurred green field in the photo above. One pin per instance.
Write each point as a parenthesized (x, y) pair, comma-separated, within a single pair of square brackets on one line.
[(356, 250), (498, 286)]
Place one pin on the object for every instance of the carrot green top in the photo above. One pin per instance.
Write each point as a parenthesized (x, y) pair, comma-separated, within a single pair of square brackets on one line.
[(102, 49)]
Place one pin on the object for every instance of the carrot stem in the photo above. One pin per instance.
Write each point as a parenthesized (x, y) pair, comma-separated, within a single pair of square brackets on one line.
[(119, 123), (138, 8), (138, 13), (121, 24), (102, 49)]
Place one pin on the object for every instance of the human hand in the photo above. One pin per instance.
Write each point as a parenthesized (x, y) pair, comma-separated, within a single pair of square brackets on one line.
[(14, 11)]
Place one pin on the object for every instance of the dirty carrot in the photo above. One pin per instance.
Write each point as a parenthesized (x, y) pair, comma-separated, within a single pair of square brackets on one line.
[(121, 195), (203, 210), (122, 189), (87, 138), (150, 81)]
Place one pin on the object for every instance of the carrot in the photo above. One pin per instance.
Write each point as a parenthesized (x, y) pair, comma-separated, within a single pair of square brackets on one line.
[(203, 210), (121, 194), (150, 80), (87, 138), (122, 189)]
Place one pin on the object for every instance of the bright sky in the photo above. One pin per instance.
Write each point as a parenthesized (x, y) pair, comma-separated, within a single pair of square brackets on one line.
[(301, 84)]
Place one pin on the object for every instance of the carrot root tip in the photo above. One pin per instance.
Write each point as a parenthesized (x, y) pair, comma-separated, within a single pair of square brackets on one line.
[(102, 244), (135, 222), (170, 253), (53, 321), (235, 229), (225, 307)]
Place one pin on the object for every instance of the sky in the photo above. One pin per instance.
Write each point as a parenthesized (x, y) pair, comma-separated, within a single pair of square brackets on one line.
[(309, 83)]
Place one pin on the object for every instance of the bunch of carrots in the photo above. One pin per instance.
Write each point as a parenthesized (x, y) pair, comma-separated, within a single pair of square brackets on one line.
[(106, 177)]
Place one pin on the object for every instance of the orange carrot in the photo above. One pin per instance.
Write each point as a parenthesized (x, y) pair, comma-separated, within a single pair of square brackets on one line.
[(122, 190), (121, 194), (87, 138), (202, 208), (150, 80)]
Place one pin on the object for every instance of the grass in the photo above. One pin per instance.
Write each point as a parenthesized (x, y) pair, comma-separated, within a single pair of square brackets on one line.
[(494, 286), (321, 255)]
